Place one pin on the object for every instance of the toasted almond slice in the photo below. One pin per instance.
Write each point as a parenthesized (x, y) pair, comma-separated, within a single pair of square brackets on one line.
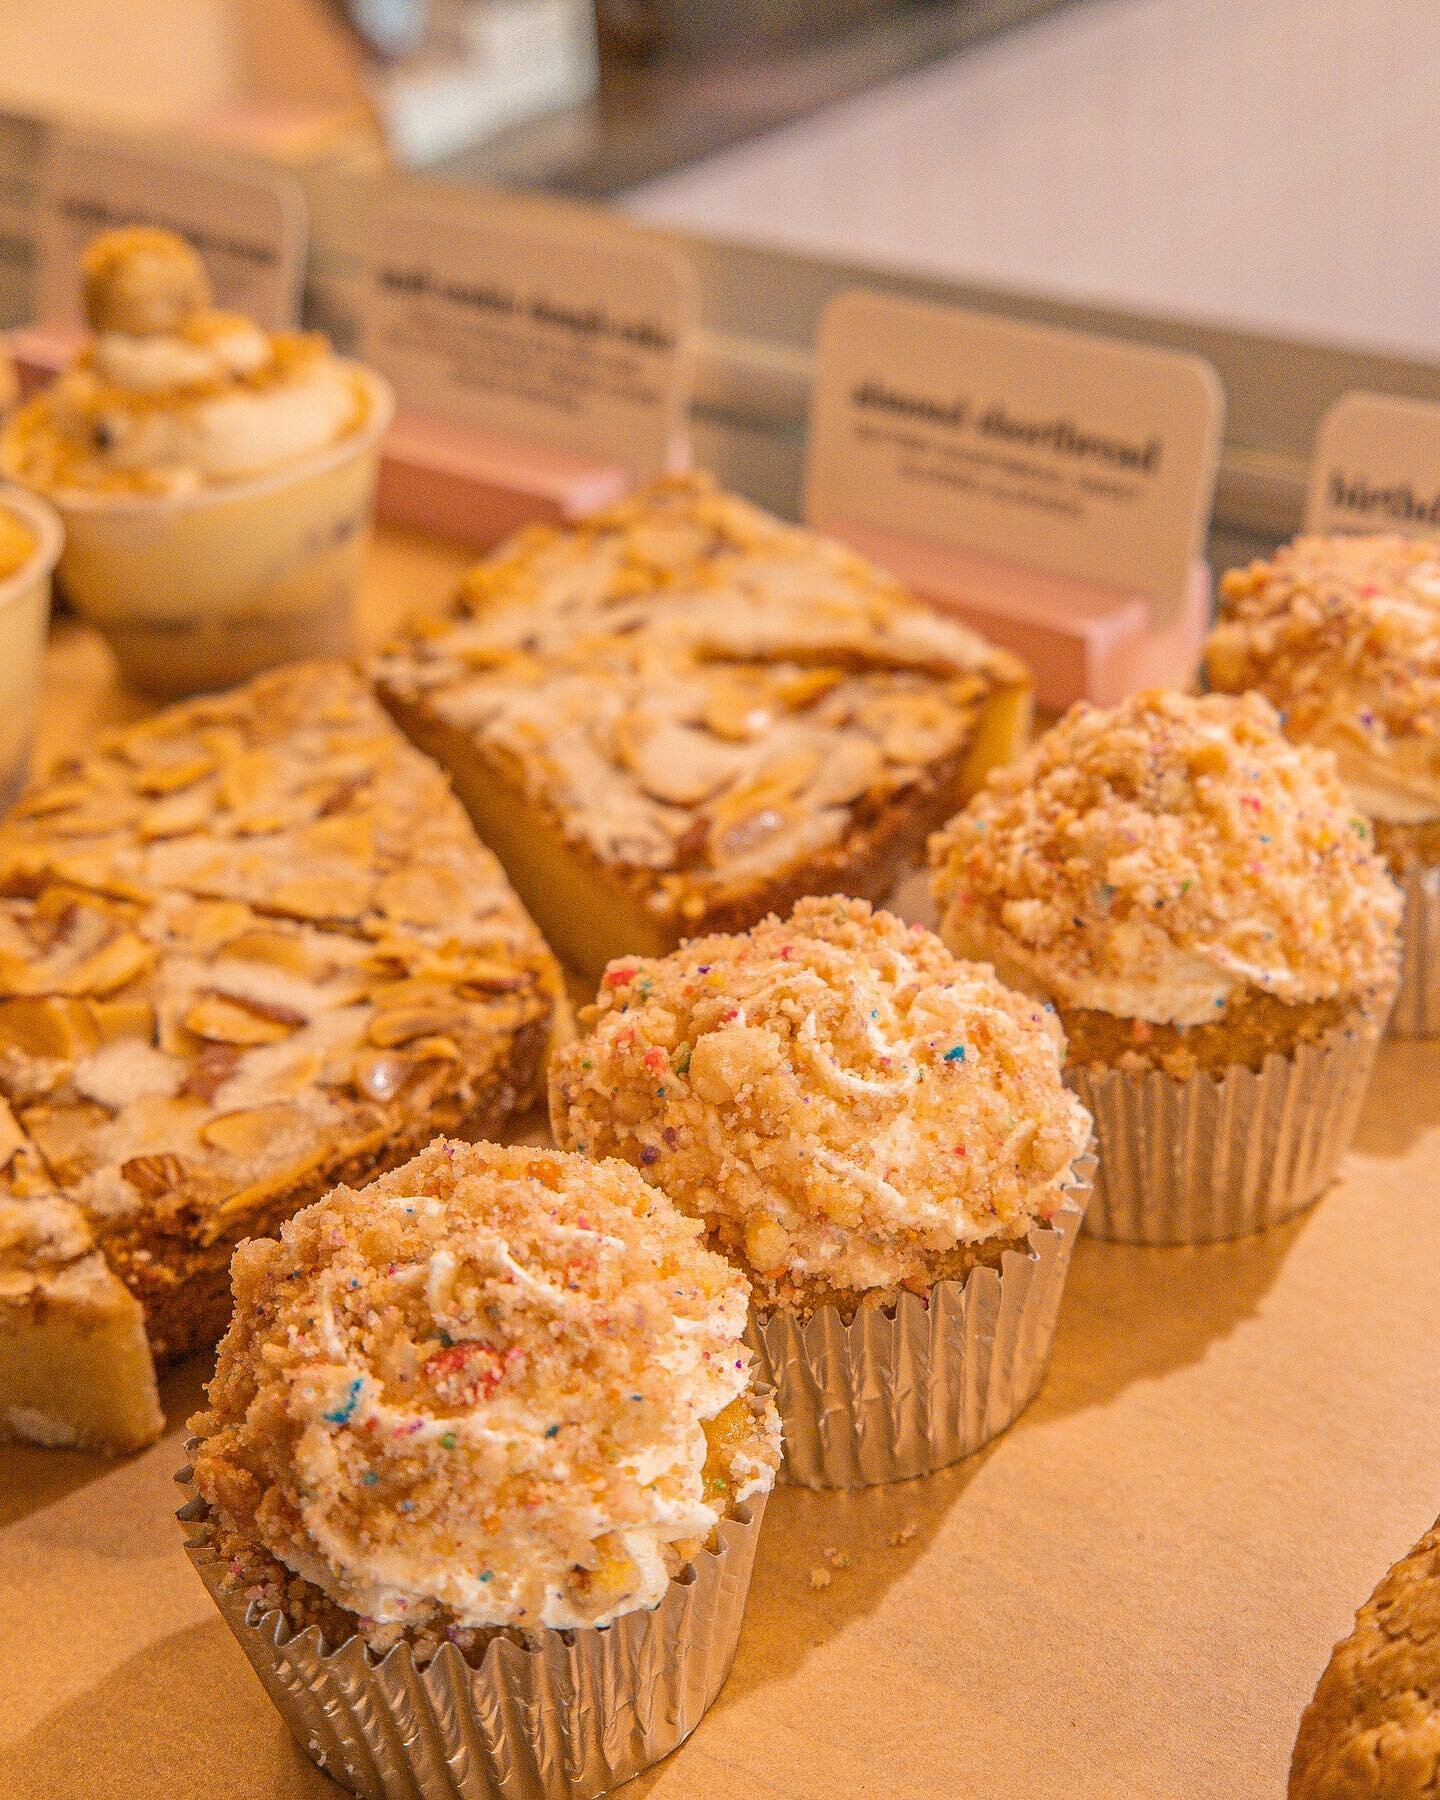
[(419, 896), (852, 765), (913, 728), (53, 797), (51, 1026), (807, 686), (275, 949), (350, 834), (739, 710), (175, 816), (675, 763), (127, 1018), (433, 1049), (403, 1023), (154, 1175), (249, 1133), (786, 775), (226, 1021), (412, 992), (209, 1072), (124, 959), (169, 778), (229, 1216), (247, 777), (335, 896)]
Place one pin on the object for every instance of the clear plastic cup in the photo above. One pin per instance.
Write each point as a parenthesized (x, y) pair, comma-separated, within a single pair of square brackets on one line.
[(24, 615), (198, 591)]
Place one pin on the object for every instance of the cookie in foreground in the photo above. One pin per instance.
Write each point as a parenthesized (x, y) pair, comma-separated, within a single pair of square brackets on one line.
[(481, 1474), (879, 1136), (248, 948), (682, 714), (1372, 1731), (1205, 908), (1342, 635)]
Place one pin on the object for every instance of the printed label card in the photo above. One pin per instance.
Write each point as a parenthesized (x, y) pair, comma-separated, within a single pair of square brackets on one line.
[(1376, 467)]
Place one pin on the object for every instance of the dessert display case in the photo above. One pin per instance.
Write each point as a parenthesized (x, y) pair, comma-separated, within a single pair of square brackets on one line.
[(1134, 1588)]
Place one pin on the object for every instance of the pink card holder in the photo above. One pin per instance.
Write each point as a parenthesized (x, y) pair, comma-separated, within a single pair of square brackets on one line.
[(1081, 639)]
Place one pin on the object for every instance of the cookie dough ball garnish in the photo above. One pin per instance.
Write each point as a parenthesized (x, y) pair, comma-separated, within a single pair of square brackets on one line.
[(496, 1388), (1196, 896), (142, 282), (856, 1116), (1343, 636)]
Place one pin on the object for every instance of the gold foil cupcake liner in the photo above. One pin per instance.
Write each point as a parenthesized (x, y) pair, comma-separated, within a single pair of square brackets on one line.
[(574, 1717), (1216, 1157), (899, 1391), (1417, 1005)]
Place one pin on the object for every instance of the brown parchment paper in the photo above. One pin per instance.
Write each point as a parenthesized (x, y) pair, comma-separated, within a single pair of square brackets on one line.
[(1132, 1592)]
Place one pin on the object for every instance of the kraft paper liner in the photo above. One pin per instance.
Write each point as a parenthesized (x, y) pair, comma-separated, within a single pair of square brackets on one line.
[(1217, 1157), (903, 1390), (1417, 1006), (574, 1718)]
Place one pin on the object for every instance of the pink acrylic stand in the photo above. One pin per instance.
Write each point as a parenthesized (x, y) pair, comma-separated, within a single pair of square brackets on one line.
[(1082, 640), (475, 487)]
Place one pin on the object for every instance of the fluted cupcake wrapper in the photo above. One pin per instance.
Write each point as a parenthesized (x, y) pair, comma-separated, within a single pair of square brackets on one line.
[(1221, 1156), (574, 1717), (903, 1390), (1417, 1005)]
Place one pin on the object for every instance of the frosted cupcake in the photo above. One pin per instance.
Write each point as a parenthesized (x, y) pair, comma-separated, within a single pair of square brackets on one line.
[(483, 1441), (879, 1136), (1343, 636), (1200, 902), (215, 479)]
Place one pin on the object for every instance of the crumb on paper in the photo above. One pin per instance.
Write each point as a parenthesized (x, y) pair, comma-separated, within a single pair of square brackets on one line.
[(903, 1535), (837, 1559), (820, 1578)]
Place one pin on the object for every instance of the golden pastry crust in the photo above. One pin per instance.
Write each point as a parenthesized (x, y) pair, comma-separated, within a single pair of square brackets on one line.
[(248, 948), (1169, 859), (1342, 634), (845, 1106), (1373, 1727), (497, 1388), (715, 712)]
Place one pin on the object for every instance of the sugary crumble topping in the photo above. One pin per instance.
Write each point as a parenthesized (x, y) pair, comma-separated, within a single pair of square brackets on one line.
[(694, 689), (496, 1387), (1342, 634), (1161, 858), (833, 1094)]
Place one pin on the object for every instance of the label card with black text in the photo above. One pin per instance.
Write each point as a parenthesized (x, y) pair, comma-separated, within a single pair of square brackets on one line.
[(1376, 467), (534, 326), (245, 218), (1078, 456)]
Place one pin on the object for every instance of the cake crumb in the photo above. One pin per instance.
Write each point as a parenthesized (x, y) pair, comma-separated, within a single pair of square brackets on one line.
[(820, 1578), (837, 1559), (903, 1535)]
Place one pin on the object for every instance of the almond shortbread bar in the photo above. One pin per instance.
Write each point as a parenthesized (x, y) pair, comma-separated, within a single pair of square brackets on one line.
[(248, 948), (683, 714)]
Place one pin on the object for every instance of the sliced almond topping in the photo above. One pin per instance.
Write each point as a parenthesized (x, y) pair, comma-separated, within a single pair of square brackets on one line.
[(176, 816), (739, 710), (12, 1138), (805, 688), (852, 765), (227, 1020), (276, 949), (126, 1018), (346, 834), (154, 1175), (123, 960), (249, 1133), (788, 774), (51, 1027), (246, 777), (208, 924), (913, 728), (675, 763), (433, 1049), (209, 1072), (419, 896), (335, 896), (402, 1024), (54, 797), (169, 778)]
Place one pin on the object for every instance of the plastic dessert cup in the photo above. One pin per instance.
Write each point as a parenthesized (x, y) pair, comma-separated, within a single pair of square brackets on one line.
[(203, 590), (24, 614)]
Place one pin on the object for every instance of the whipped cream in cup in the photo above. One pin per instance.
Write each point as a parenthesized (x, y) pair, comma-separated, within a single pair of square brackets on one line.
[(30, 543), (216, 481)]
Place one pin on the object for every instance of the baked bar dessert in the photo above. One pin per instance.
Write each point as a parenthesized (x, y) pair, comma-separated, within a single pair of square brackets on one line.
[(855, 1115), (1197, 897), (495, 1401), (215, 478), (1342, 635), (248, 948), (683, 714), (1372, 1731)]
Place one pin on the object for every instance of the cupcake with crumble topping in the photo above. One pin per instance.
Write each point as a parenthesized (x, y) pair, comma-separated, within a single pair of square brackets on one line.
[(878, 1135), (1342, 634), (484, 1439), (1203, 906)]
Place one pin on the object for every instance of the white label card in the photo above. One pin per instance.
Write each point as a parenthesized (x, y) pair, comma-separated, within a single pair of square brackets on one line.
[(542, 329), (1079, 456), (246, 220), (1376, 467)]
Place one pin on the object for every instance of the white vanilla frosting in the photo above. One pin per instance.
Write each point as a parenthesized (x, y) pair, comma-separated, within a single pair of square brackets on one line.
[(478, 1392)]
